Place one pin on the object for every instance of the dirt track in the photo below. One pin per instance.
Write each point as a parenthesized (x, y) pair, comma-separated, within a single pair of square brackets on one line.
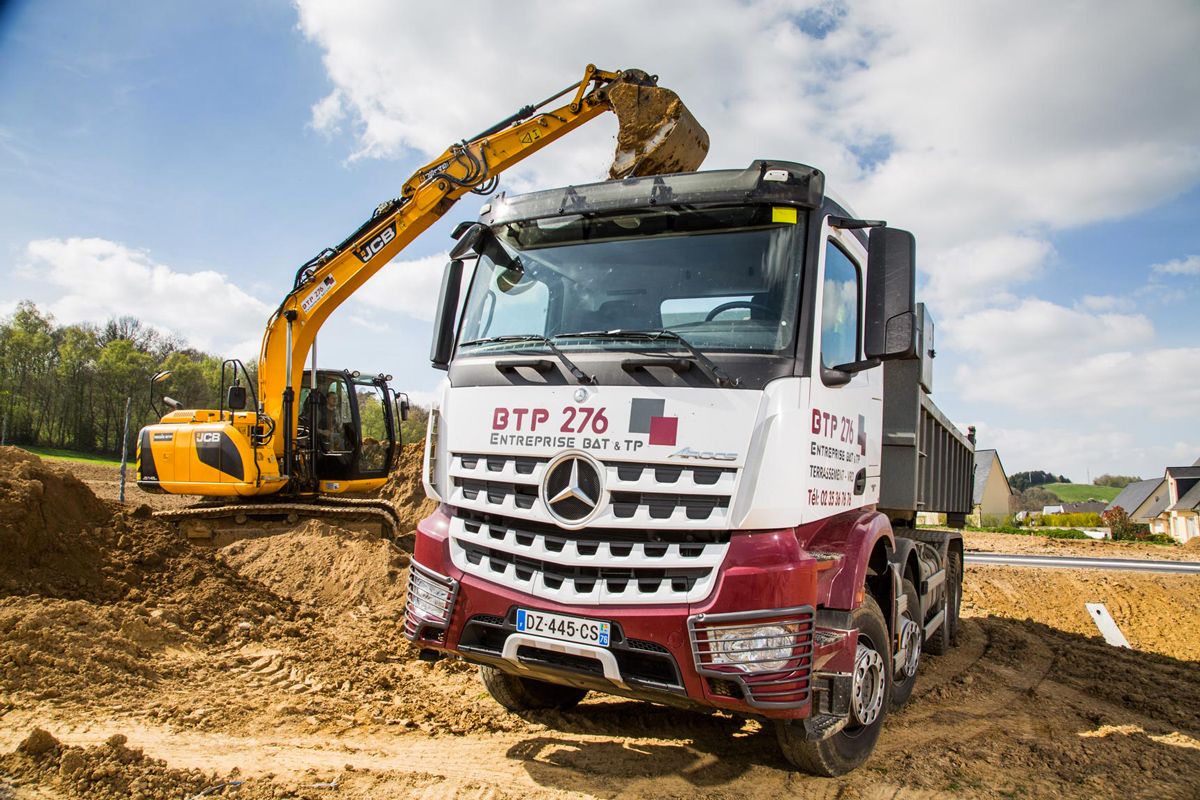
[(279, 662)]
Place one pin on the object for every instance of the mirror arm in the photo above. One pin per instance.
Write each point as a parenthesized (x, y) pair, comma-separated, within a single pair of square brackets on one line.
[(857, 366)]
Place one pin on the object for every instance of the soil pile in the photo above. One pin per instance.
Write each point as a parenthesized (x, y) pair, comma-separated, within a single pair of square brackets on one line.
[(109, 770), (1153, 611), (404, 489), (91, 594), (318, 564), (42, 511), (1034, 544)]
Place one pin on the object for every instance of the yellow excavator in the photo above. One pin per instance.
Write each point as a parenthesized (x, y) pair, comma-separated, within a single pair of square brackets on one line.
[(311, 436)]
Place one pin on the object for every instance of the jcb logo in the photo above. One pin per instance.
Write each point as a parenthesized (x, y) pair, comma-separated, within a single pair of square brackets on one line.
[(212, 437), (368, 250)]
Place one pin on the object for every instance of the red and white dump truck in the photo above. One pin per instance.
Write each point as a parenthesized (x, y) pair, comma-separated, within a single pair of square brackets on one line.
[(679, 454)]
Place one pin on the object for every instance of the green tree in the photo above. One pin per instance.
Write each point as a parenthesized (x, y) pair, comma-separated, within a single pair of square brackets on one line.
[(1119, 481), (412, 430)]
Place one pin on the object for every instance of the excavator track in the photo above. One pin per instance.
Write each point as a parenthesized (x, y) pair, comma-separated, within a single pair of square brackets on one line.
[(221, 524)]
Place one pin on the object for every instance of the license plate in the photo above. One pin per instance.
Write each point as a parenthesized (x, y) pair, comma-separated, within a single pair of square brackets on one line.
[(568, 629)]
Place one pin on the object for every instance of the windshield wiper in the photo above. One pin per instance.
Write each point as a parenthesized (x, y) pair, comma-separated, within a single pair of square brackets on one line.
[(579, 374), (654, 334)]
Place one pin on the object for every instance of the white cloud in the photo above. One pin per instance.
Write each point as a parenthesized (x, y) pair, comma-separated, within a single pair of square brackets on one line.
[(992, 119), (1085, 453), (1105, 302), (328, 113), (1179, 266), (406, 287), (93, 280), (1044, 357), (977, 273)]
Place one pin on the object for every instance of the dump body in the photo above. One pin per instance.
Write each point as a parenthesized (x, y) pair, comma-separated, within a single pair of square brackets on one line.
[(661, 455)]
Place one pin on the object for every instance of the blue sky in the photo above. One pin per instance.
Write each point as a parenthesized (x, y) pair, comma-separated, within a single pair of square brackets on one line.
[(177, 162)]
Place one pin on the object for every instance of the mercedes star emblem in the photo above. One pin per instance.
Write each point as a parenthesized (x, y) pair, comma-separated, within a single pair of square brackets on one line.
[(572, 489)]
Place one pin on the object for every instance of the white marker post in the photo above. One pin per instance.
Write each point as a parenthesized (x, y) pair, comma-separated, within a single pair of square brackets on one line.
[(1107, 625)]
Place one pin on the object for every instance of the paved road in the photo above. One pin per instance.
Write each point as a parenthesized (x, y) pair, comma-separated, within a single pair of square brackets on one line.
[(1083, 562)]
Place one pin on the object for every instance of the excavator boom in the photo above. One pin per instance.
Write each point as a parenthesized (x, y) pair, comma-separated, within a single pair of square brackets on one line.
[(324, 448), (656, 135)]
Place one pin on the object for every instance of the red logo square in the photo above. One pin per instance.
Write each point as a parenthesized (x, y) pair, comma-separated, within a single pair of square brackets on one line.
[(663, 430)]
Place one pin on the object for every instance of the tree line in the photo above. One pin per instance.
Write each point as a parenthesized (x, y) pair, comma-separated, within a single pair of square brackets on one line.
[(65, 386)]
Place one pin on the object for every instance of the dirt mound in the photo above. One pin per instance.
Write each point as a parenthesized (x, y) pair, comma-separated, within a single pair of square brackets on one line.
[(1147, 608), (110, 770), (404, 489), (92, 595), (318, 564), (52, 648), (42, 509)]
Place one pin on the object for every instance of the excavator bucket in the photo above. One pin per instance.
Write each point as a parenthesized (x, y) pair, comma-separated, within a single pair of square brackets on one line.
[(657, 133)]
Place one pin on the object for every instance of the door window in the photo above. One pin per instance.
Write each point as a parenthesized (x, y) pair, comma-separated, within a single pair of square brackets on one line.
[(840, 305)]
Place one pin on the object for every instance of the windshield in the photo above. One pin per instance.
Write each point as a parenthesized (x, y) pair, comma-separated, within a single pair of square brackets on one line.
[(727, 279)]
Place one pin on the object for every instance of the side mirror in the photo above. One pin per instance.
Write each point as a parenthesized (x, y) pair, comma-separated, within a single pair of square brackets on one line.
[(891, 321), (478, 239), (441, 349), (469, 236), (236, 398), (402, 406)]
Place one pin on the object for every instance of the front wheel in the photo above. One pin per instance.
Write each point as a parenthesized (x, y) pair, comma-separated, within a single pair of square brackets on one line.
[(526, 694), (869, 697)]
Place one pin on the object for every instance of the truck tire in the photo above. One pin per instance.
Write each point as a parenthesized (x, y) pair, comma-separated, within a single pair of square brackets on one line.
[(852, 745), (902, 685), (526, 694), (946, 636), (956, 578)]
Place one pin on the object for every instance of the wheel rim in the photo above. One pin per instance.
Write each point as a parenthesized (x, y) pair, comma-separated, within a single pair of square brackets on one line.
[(912, 648), (866, 697)]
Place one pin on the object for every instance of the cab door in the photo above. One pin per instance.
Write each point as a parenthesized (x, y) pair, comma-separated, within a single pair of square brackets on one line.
[(845, 407)]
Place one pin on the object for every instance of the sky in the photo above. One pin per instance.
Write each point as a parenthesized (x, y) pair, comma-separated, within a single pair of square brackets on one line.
[(177, 162)]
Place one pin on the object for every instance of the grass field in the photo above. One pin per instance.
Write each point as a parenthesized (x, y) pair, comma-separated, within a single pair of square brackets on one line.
[(71, 455), (1081, 492)]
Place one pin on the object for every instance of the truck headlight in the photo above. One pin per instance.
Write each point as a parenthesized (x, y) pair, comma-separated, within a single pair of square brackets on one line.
[(759, 648)]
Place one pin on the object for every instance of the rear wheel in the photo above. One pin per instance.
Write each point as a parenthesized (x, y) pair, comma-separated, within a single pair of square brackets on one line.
[(955, 578), (911, 636), (852, 745), (946, 636), (526, 694)]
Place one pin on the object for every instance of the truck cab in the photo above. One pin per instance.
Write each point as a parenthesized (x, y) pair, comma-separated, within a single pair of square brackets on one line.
[(660, 453)]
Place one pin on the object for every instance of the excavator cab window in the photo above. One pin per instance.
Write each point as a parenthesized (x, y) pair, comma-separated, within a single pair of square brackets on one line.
[(350, 424), (377, 426)]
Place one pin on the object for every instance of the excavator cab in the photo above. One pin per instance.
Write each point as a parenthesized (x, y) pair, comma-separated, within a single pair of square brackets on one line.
[(347, 428)]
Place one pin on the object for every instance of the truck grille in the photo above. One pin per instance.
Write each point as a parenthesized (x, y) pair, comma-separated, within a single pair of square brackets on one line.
[(596, 566), (638, 495)]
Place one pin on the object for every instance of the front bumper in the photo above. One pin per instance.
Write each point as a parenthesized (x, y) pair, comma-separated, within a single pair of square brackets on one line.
[(660, 653)]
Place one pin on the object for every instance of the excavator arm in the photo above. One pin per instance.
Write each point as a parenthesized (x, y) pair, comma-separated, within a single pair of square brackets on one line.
[(656, 135)]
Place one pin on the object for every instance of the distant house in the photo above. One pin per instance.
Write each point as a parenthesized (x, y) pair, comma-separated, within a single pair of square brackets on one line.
[(992, 491), (1169, 505), (1182, 515), (1133, 496)]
